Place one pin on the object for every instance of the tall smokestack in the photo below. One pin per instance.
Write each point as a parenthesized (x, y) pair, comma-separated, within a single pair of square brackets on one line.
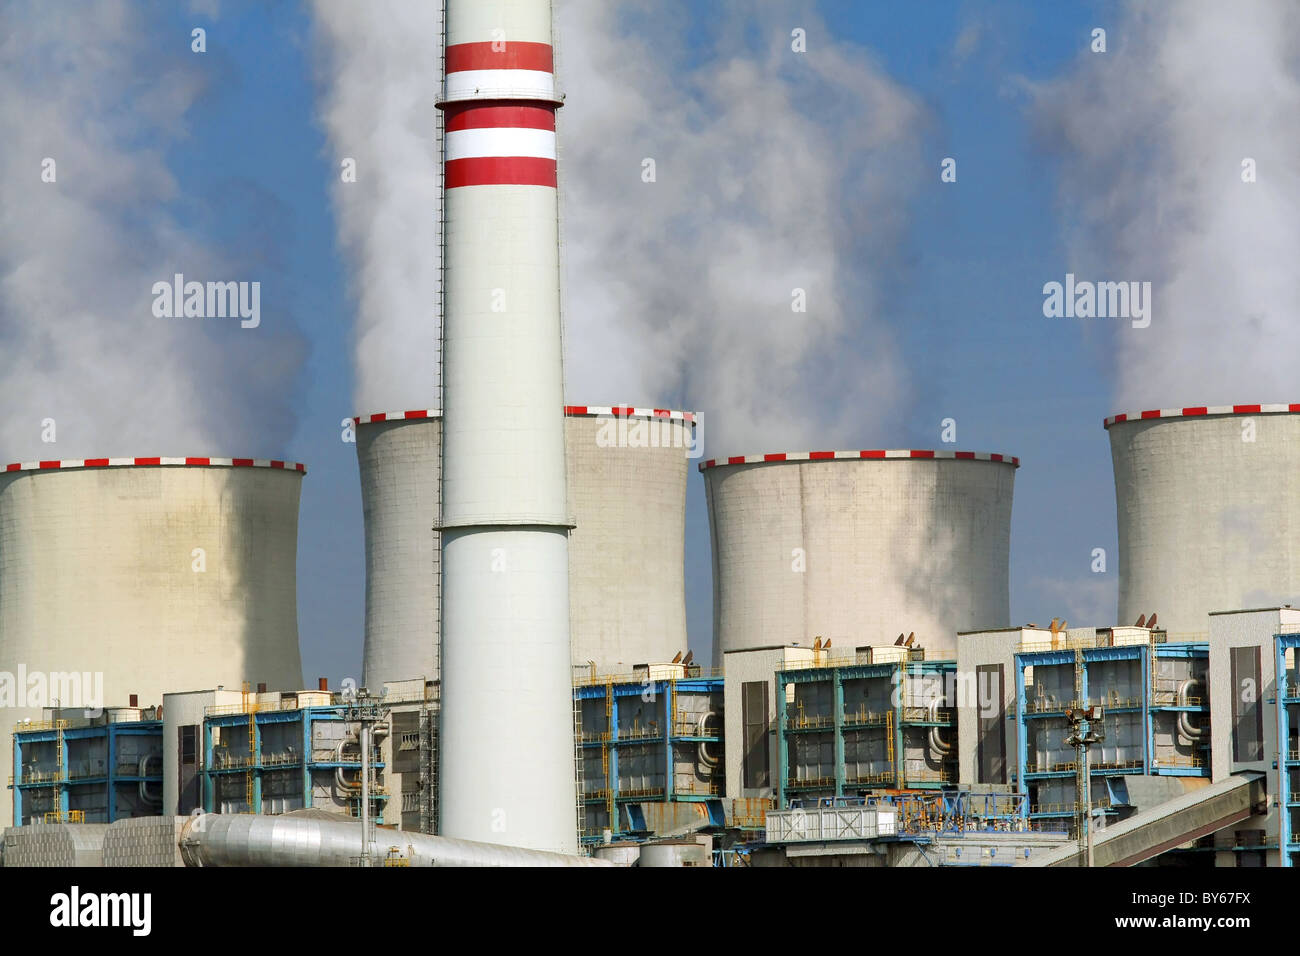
[(507, 770)]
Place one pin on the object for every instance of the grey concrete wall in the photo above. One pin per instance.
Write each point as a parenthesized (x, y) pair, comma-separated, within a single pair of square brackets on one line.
[(1207, 520), (1247, 628), (98, 575), (399, 463), (975, 650), (626, 481), (858, 550), (744, 667)]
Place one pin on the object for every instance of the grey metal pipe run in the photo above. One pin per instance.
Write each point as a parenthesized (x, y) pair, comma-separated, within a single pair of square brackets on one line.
[(1192, 732), (216, 839)]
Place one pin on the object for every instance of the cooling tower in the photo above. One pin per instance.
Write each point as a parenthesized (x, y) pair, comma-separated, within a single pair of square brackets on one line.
[(1207, 501), (627, 471), (627, 493), (148, 574), (858, 546), (399, 454), (506, 731)]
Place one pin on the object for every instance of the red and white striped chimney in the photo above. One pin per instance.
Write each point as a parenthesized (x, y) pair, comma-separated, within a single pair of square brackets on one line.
[(507, 769)]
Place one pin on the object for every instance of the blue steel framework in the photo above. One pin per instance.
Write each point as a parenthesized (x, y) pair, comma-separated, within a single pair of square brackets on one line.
[(1288, 745), (261, 764), (68, 785), (1148, 707), (605, 746), (900, 718)]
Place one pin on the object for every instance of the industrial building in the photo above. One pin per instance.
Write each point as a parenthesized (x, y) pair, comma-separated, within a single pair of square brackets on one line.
[(880, 720), (626, 476), (191, 579), (96, 769), (1206, 504), (854, 547), (650, 754), (530, 698)]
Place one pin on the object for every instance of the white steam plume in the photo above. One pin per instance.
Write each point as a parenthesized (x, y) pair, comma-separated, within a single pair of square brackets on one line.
[(83, 85), (380, 71), (1152, 137), (775, 171)]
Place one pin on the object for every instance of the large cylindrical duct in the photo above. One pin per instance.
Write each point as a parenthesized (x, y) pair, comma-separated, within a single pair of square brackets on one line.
[(627, 470), (147, 575), (1207, 502), (213, 839), (858, 546), (507, 766)]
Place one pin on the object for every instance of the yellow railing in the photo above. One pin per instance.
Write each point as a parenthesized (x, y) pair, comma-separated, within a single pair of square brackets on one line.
[(39, 776), (72, 816), (41, 725), (639, 733), (1051, 767), (694, 787), (689, 673), (1114, 765), (913, 713), (886, 776), (1113, 701), (642, 792), (809, 783), (799, 721), (1178, 760), (866, 719), (253, 707)]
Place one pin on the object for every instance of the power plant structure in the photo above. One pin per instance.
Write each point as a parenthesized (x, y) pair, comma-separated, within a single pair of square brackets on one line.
[(856, 547), (1207, 501), (506, 747), (531, 699), (626, 470), (132, 576)]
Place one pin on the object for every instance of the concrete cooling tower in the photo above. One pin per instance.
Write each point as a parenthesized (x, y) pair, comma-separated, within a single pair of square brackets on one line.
[(627, 470), (1207, 500), (400, 457), (857, 546), (124, 576), (627, 494)]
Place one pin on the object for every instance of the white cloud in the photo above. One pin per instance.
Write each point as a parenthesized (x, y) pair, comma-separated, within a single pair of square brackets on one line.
[(1151, 137), (775, 171), (379, 72), (78, 257)]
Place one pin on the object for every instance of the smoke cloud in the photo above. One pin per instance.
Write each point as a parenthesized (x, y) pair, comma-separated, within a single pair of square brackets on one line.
[(774, 171), (89, 222), (380, 72), (1153, 139)]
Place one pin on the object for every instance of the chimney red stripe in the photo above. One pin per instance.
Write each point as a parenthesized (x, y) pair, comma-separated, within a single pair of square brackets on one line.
[(509, 55), (500, 171), (474, 115)]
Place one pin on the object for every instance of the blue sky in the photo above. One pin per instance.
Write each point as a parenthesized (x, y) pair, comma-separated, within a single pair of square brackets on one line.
[(961, 296)]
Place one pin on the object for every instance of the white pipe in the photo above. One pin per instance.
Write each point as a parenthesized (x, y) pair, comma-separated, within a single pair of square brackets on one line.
[(1193, 733), (144, 784), (942, 748), (708, 761), (214, 839)]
